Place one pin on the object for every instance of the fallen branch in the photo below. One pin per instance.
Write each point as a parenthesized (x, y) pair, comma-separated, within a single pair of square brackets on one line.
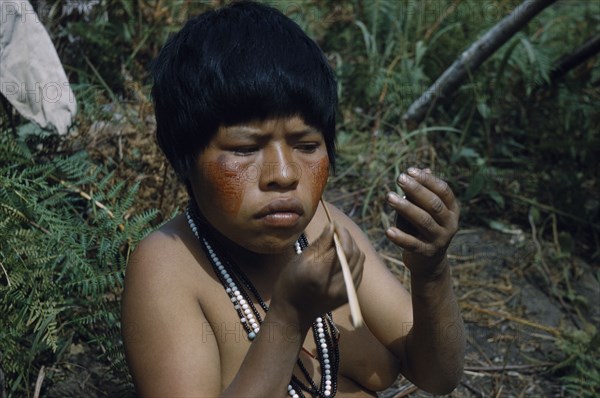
[(473, 57), (580, 55)]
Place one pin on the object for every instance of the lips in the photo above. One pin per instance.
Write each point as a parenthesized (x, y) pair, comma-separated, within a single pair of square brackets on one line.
[(281, 206), (281, 213)]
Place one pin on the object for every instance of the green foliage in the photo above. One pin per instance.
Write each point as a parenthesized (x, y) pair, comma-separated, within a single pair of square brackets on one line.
[(65, 235), (522, 137), (111, 42), (580, 370)]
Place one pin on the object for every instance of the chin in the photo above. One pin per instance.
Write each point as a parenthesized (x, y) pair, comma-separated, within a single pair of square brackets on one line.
[(272, 244)]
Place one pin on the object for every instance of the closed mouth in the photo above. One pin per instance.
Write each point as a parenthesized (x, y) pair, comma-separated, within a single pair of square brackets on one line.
[(284, 205)]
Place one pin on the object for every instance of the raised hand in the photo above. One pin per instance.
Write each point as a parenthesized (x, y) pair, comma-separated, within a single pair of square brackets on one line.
[(432, 212), (313, 283)]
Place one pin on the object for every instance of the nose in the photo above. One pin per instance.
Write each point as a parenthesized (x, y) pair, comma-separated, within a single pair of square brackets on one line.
[(279, 171)]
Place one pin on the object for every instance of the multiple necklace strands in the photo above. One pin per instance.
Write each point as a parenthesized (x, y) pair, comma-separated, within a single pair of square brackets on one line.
[(239, 288)]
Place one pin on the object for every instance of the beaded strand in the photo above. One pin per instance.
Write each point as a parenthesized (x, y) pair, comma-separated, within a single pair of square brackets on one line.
[(324, 331)]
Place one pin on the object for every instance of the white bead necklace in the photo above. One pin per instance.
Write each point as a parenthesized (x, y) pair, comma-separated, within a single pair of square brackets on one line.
[(324, 330)]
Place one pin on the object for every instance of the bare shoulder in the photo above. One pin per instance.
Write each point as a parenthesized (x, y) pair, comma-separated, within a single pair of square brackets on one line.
[(167, 349), (162, 257)]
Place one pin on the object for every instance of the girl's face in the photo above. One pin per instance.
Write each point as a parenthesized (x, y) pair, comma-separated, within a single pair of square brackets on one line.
[(259, 183)]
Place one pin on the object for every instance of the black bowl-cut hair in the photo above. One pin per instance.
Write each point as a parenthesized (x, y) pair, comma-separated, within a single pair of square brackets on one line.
[(236, 64)]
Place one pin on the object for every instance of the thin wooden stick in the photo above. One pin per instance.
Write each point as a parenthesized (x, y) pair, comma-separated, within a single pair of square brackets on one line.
[(357, 319)]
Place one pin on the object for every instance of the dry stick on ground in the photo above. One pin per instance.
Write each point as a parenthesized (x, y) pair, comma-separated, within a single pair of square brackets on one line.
[(473, 57), (357, 319), (508, 367), (552, 331)]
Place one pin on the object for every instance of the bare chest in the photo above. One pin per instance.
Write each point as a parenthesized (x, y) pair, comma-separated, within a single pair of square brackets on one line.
[(364, 366)]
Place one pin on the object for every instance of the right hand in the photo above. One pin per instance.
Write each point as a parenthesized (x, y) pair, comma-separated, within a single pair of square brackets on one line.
[(313, 284)]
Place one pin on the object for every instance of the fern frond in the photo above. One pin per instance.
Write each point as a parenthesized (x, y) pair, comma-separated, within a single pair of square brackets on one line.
[(64, 257)]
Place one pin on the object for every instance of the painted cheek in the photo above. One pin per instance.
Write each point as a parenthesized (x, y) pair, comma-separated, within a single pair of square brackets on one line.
[(227, 180), (319, 175)]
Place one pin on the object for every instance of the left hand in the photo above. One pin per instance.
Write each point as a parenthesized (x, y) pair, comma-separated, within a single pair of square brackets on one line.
[(430, 206)]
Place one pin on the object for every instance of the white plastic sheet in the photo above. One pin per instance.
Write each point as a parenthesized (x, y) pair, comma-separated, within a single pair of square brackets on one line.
[(31, 75)]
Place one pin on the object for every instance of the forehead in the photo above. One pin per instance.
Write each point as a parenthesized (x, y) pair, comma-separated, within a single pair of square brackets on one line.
[(292, 124)]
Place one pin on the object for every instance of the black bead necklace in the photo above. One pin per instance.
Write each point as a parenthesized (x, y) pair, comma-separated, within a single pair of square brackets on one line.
[(239, 288)]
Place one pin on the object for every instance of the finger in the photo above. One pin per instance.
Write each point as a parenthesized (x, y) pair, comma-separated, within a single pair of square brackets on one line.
[(423, 221), (424, 198), (435, 185), (406, 241)]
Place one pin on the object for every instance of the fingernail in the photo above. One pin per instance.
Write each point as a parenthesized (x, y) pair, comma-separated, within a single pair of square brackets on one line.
[(391, 232), (413, 171), (403, 179)]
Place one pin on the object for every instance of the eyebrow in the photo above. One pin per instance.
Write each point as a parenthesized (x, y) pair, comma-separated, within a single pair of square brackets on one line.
[(245, 132)]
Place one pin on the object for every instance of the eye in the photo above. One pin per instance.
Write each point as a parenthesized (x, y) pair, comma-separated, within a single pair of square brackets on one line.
[(244, 151), (308, 147)]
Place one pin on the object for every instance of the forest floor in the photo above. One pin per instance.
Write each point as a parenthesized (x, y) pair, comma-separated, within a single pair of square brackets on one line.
[(506, 283)]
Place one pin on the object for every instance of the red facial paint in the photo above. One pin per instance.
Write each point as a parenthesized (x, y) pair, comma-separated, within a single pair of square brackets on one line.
[(320, 173), (226, 178)]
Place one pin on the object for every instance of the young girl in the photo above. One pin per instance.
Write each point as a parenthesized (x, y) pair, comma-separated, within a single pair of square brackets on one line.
[(243, 294)]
